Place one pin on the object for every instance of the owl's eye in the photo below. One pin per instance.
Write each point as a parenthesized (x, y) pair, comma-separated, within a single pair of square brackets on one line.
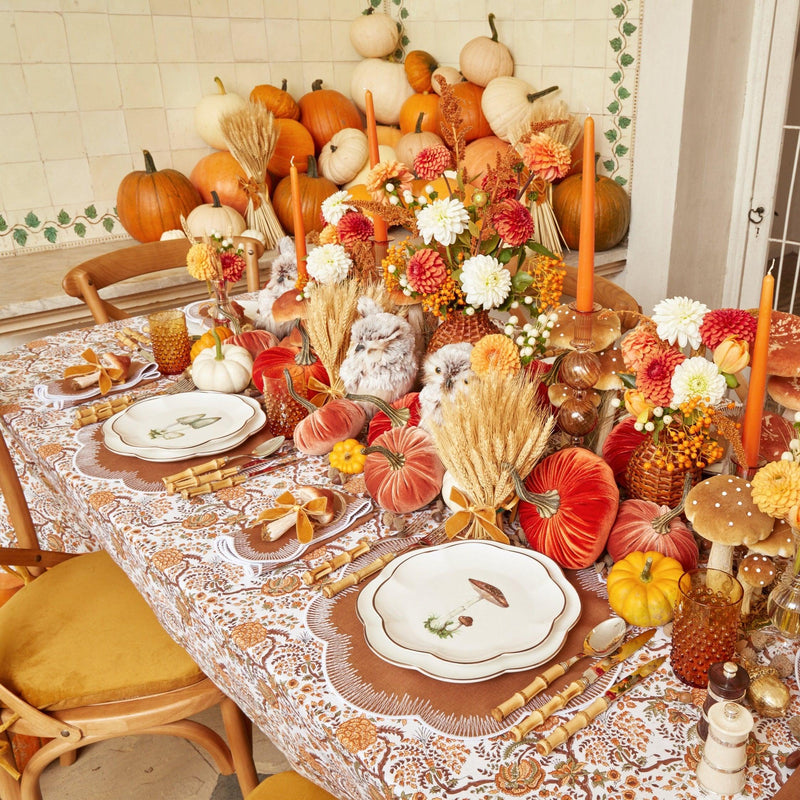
[(438, 370), (466, 381)]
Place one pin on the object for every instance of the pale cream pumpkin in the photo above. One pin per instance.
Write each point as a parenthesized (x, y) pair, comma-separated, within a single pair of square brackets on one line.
[(344, 155), (508, 104), (209, 111), (222, 368), (482, 59), (374, 35), (214, 216), (450, 74), (389, 86), (411, 144)]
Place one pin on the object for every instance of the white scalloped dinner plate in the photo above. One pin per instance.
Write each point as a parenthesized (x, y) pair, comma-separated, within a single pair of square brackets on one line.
[(404, 608)]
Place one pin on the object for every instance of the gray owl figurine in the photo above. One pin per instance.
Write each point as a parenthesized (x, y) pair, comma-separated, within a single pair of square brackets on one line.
[(444, 372), (283, 276), (381, 359)]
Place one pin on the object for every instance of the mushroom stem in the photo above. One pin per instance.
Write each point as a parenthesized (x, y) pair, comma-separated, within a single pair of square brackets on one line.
[(721, 557)]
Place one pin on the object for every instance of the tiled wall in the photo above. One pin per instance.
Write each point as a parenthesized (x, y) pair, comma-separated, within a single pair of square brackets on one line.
[(87, 84)]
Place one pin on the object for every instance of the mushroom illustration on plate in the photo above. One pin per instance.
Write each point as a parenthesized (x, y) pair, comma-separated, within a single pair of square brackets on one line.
[(456, 619)]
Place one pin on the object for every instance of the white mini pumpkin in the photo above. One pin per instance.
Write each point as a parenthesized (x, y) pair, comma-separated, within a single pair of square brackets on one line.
[(210, 109), (341, 159), (209, 217), (374, 35), (223, 368), (508, 104), (388, 83)]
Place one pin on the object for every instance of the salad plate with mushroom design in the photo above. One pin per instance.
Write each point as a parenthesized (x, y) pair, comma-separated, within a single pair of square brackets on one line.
[(468, 610)]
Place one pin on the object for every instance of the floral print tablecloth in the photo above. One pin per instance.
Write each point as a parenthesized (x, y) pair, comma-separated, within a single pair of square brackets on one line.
[(250, 632)]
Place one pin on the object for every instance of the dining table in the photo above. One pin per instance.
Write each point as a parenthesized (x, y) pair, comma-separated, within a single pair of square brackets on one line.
[(312, 672)]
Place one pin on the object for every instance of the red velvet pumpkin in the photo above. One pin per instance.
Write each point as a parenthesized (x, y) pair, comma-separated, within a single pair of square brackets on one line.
[(380, 423), (644, 525), (571, 523), (337, 420), (269, 366), (255, 342), (619, 445), (403, 471)]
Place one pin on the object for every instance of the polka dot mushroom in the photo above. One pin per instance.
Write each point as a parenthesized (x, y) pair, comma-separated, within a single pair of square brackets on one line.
[(780, 543), (755, 572), (722, 511)]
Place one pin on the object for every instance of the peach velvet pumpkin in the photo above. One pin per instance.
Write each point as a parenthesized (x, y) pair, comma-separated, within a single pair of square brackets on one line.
[(572, 504), (403, 471), (255, 341), (337, 420)]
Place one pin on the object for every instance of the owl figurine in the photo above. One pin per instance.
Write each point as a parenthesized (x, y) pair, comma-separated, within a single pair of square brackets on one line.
[(381, 359), (283, 276), (444, 372)]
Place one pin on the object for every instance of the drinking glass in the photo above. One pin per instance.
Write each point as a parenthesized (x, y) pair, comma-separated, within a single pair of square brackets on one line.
[(170, 340)]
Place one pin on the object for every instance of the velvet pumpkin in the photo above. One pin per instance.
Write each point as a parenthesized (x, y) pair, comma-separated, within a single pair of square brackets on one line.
[(325, 112), (222, 173), (294, 141), (303, 365), (152, 201), (619, 445), (403, 471), (419, 67), (644, 525), (381, 423), (255, 341), (612, 211), (314, 190), (277, 100), (572, 506)]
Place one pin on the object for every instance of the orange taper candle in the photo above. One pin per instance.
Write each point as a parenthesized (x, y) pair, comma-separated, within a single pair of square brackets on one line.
[(754, 408), (381, 232), (584, 299), (299, 227)]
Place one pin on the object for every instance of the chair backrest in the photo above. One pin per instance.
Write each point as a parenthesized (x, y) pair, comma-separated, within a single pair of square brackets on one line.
[(15, 499)]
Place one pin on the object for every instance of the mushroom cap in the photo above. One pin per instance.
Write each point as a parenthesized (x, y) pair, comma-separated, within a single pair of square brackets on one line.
[(756, 571), (783, 356), (776, 433), (611, 365), (721, 510), (779, 543), (605, 328), (489, 592), (287, 307), (785, 391), (466, 621)]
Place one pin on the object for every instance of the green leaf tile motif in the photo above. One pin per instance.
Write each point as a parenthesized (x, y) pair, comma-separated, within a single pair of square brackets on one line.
[(31, 220), (50, 234), (80, 229), (90, 212), (3, 224), (63, 218)]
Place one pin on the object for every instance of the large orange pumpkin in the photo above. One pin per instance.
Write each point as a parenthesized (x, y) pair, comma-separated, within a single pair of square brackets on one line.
[(294, 141), (612, 211), (220, 172), (424, 103), (481, 154), (469, 97), (314, 189), (325, 112), (278, 101), (419, 67), (151, 201)]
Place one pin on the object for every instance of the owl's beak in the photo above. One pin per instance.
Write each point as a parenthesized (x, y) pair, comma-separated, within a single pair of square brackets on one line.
[(448, 384), (359, 348)]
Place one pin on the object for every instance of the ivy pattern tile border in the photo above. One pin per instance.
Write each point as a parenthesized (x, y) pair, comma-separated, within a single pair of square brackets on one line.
[(35, 233)]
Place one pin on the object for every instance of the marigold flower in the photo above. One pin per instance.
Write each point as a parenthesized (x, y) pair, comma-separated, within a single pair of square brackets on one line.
[(776, 488), (546, 157), (495, 353), (426, 271), (513, 222), (654, 377), (431, 162), (723, 323), (202, 262)]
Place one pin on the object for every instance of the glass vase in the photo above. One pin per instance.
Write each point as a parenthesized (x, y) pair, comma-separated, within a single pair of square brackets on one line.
[(783, 603), (224, 311)]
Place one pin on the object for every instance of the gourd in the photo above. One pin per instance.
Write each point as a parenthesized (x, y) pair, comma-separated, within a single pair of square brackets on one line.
[(214, 216), (643, 588), (450, 74), (314, 190), (294, 141), (223, 368), (207, 340), (481, 154), (374, 35), (222, 173), (342, 158), (324, 112), (382, 422), (151, 201), (644, 525), (424, 103), (403, 471), (469, 96), (348, 457), (255, 341), (389, 86), (209, 111), (612, 211), (619, 446), (508, 104), (567, 506), (411, 144), (419, 67), (483, 59), (277, 100)]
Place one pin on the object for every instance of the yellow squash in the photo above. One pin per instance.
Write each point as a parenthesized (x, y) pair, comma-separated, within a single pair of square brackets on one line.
[(348, 456)]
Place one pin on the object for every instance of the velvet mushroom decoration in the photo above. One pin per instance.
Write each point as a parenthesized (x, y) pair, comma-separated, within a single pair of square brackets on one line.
[(722, 511), (779, 544), (783, 357), (755, 572), (785, 391)]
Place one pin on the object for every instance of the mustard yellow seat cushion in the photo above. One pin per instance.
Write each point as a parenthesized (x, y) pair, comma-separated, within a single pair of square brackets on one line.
[(82, 634), (288, 786)]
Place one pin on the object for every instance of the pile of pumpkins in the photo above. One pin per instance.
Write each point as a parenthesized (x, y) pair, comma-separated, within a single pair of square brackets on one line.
[(323, 132)]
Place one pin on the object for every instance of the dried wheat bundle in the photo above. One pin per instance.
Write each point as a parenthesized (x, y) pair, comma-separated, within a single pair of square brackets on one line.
[(497, 426), (251, 136), (566, 129), (332, 310)]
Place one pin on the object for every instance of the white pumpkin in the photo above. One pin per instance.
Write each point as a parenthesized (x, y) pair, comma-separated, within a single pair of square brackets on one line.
[(410, 144), (342, 158), (209, 111), (389, 86), (374, 35), (224, 368), (207, 218), (448, 482), (482, 59), (385, 153), (450, 74), (508, 105)]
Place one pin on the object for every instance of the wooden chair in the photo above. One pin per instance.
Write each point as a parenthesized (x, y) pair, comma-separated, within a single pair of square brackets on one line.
[(288, 786), (85, 280), (83, 658)]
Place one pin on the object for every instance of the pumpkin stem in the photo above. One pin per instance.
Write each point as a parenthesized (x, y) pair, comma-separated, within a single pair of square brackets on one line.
[(368, 11), (397, 416), (492, 26), (215, 199), (533, 96), (661, 523), (396, 460), (312, 167), (317, 85), (149, 164), (647, 575), (284, 85), (547, 503), (304, 356), (302, 400), (217, 344), (418, 126), (220, 85)]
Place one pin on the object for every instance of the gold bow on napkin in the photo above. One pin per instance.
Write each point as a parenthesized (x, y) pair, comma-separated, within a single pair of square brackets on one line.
[(96, 370), (469, 515), (289, 512)]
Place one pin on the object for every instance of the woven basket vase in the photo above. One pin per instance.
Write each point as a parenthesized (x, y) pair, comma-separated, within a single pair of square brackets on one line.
[(656, 483), (458, 327)]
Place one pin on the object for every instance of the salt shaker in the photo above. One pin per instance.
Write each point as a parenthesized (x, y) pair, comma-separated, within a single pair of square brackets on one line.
[(726, 681), (721, 769)]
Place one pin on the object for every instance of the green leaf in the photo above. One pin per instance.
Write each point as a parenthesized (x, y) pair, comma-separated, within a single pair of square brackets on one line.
[(628, 380), (80, 229), (628, 28), (403, 13), (490, 244), (616, 44), (63, 218), (626, 59), (374, 3), (521, 281), (623, 93), (3, 223), (405, 40), (108, 224), (609, 165), (623, 122), (615, 77), (50, 234), (31, 220), (20, 236), (618, 10), (620, 150), (620, 180), (539, 248), (474, 229), (613, 107), (90, 211), (611, 135), (396, 2)]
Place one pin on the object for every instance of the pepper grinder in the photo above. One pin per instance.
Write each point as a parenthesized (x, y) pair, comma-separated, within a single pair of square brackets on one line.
[(721, 769), (726, 681)]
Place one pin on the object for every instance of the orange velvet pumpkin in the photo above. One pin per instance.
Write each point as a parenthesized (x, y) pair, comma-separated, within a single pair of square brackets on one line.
[(277, 100), (325, 112), (403, 471), (469, 97), (480, 154), (425, 104), (419, 67), (336, 421), (314, 189), (381, 423), (572, 508), (294, 141), (255, 341), (619, 445), (221, 172), (612, 211), (152, 201)]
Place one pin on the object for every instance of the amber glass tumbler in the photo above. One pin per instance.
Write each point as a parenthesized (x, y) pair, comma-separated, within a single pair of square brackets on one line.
[(170, 340)]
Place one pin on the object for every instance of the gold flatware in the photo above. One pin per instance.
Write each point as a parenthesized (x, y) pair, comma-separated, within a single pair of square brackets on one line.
[(237, 476)]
